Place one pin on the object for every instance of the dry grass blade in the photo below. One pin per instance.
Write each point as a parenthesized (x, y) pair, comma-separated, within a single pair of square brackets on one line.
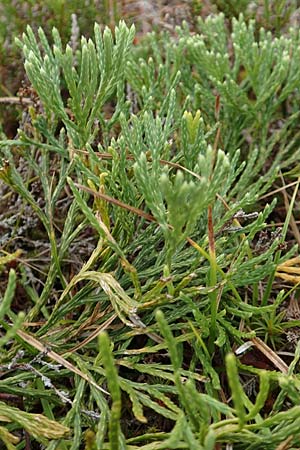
[(285, 445), (94, 334), (134, 210), (293, 224), (16, 100), (275, 191), (116, 202), (163, 162), (270, 354), (56, 357)]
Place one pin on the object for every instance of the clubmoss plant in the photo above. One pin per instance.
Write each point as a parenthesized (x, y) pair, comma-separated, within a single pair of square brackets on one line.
[(145, 171)]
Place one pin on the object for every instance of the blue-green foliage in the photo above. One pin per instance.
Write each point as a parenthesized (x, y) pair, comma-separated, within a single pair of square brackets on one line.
[(160, 154)]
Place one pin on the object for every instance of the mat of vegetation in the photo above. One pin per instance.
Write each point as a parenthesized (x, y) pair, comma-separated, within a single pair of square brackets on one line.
[(149, 290)]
